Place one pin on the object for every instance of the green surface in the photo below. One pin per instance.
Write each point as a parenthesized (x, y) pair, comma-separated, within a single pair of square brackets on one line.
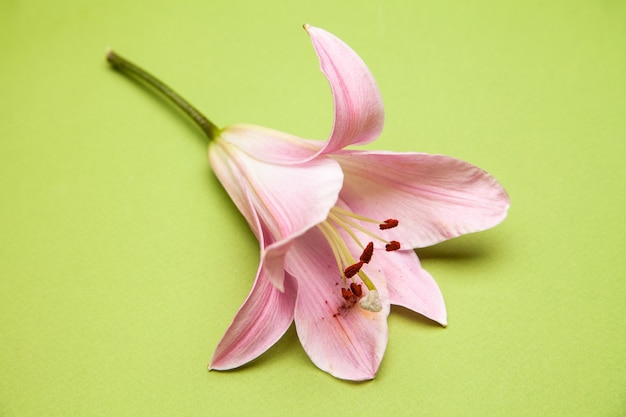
[(122, 261)]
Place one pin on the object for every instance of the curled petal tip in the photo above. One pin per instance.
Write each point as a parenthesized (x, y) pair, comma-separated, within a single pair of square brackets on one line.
[(359, 112)]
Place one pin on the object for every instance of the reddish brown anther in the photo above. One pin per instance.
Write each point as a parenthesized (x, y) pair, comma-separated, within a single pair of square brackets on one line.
[(356, 289), (352, 270), (346, 294), (388, 224), (391, 246), (367, 253)]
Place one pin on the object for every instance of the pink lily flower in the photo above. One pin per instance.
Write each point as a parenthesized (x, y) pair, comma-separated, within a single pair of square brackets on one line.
[(337, 227)]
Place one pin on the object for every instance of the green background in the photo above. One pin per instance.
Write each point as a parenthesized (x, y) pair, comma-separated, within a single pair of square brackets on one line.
[(122, 261)]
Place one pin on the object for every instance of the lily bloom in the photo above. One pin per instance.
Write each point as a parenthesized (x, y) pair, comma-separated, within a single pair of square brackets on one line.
[(337, 227)]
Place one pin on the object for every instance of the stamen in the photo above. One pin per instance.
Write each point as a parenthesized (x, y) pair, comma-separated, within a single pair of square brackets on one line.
[(346, 294), (388, 224), (356, 289), (337, 245), (352, 270), (393, 245), (340, 225), (367, 281), (346, 224), (366, 257), (340, 211)]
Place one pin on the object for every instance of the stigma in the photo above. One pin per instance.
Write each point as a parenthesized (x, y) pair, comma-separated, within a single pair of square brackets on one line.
[(371, 302), (352, 266)]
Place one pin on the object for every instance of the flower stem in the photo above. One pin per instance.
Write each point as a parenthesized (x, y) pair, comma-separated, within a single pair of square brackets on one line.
[(128, 68)]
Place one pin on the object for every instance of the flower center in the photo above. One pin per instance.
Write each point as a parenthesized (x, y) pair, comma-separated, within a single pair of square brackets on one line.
[(340, 219)]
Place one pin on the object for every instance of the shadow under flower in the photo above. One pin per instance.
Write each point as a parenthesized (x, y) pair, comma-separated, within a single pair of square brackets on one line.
[(464, 248)]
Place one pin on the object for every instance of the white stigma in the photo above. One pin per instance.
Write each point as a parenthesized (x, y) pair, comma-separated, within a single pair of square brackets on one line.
[(371, 302)]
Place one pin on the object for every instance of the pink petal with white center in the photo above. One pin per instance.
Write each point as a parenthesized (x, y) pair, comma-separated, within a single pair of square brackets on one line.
[(411, 286), (263, 318), (359, 113), (287, 199), (434, 197), (340, 338)]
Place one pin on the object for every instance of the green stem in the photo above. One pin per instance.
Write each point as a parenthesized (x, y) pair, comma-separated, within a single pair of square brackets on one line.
[(127, 67)]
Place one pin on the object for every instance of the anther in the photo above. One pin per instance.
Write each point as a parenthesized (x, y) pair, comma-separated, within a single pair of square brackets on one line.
[(391, 246), (352, 270), (366, 257), (346, 294), (388, 224), (356, 289)]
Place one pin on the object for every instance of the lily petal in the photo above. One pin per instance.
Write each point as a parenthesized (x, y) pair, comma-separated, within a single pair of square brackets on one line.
[(359, 113), (413, 287), (235, 185), (264, 317), (434, 197), (344, 340), (270, 145), (288, 199)]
